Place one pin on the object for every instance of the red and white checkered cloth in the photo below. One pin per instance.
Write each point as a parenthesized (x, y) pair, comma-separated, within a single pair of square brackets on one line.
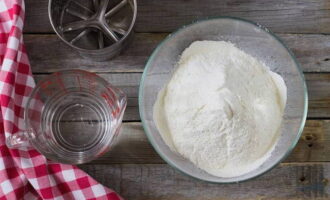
[(26, 174)]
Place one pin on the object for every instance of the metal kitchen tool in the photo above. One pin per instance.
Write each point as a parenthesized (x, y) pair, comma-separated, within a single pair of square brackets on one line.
[(97, 29)]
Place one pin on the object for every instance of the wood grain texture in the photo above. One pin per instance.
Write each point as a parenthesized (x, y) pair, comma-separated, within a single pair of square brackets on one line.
[(132, 167), (318, 85), (281, 16), (319, 95), (48, 53), (160, 181), (311, 51), (132, 146)]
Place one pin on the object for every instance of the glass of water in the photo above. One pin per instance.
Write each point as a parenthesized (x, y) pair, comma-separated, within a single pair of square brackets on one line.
[(71, 117)]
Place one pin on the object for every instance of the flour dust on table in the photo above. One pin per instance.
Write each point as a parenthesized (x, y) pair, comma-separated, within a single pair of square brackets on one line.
[(222, 109)]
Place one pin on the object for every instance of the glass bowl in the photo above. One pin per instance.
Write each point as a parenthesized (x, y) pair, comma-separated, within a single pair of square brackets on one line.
[(254, 40)]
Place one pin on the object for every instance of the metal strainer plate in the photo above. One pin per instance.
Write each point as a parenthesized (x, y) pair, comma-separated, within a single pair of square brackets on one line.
[(96, 28)]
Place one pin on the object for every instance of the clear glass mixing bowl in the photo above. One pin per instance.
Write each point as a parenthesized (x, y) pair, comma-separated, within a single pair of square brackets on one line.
[(254, 40)]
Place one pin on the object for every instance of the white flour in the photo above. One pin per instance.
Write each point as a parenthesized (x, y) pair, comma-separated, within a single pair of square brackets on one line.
[(222, 109)]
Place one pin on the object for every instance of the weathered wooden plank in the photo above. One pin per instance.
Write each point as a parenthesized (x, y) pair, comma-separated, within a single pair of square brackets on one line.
[(319, 95), (307, 16), (132, 146), (311, 51), (318, 87), (279, 16), (48, 54), (36, 17), (160, 181), (313, 145)]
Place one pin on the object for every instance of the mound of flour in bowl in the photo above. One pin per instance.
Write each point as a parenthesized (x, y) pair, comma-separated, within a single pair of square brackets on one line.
[(222, 109)]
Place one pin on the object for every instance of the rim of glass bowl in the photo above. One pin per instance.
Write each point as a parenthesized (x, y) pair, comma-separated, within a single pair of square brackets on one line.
[(141, 92)]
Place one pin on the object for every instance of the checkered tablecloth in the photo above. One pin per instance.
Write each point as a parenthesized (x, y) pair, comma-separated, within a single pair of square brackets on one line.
[(25, 173)]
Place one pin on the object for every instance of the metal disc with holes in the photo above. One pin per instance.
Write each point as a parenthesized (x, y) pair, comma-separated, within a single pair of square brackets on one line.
[(98, 29)]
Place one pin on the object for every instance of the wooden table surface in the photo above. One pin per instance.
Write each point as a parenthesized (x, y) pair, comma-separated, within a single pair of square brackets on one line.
[(132, 167)]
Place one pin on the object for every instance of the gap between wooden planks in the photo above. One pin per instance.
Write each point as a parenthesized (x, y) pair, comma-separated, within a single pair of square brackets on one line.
[(132, 145), (281, 16), (159, 181), (289, 181), (318, 87), (48, 53)]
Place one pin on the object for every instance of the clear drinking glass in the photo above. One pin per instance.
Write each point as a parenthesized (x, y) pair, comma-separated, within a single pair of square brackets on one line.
[(72, 117)]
